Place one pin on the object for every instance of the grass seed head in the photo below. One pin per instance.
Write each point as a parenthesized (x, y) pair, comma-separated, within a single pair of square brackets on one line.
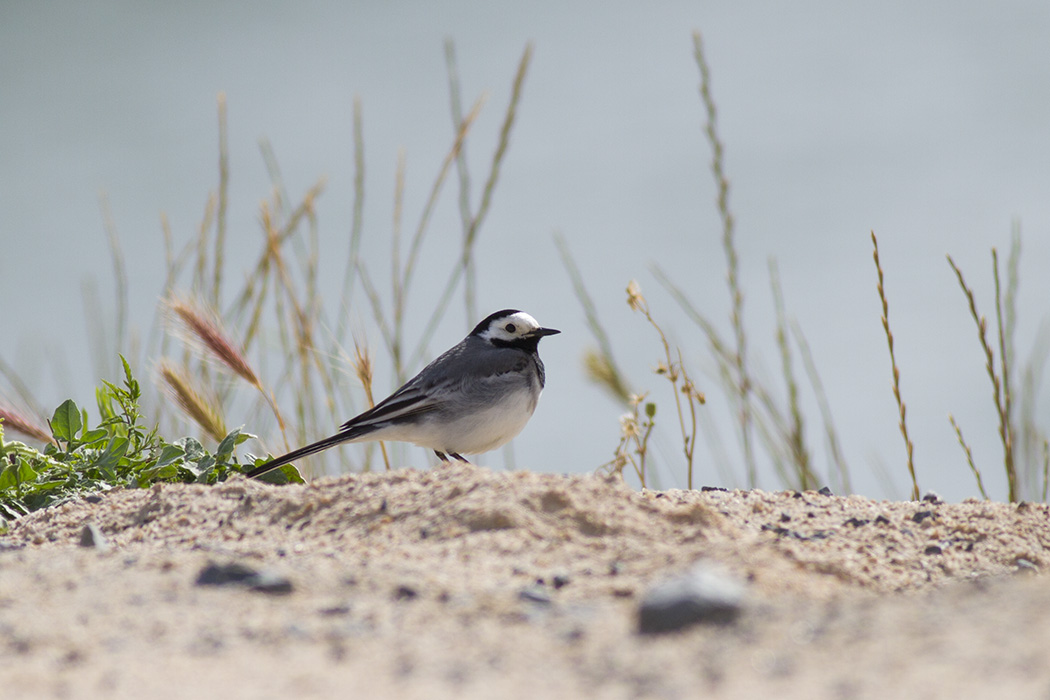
[(20, 423), (202, 329), (202, 409)]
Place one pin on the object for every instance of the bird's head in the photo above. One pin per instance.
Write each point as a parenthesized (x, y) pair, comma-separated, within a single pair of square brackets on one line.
[(511, 328)]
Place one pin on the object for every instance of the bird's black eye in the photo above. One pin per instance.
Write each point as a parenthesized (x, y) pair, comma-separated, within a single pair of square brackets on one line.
[(509, 327)]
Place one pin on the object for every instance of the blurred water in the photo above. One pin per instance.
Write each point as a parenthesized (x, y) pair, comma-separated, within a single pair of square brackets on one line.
[(927, 123)]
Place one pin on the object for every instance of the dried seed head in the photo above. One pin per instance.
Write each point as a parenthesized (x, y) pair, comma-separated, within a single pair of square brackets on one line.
[(20, 423), (362, 362), (635, 300), (629, 425), (196, 402), (601, 371), (202, 329)]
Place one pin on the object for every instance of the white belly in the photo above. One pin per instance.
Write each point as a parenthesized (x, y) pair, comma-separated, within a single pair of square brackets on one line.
[(470, 432)]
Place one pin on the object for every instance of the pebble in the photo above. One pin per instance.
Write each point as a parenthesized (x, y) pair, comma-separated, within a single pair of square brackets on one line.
[(236, 574), (535, 594), (91, 536), (405, 592), (703, 594)]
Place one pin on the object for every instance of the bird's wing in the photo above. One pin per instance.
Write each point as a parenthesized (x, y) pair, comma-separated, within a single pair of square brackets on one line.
[(407, 402)]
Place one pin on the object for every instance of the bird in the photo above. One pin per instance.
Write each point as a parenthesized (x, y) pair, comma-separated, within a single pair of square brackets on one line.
[(473, 398)]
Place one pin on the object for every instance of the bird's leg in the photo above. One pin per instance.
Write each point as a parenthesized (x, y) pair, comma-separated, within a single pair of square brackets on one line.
[(460, 457), (442, 456)]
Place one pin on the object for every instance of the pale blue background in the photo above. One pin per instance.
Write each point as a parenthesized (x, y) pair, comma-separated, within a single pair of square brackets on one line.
[(929, 123)]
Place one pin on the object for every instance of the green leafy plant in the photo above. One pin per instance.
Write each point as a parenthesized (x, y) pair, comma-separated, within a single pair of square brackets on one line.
[(121, 451)]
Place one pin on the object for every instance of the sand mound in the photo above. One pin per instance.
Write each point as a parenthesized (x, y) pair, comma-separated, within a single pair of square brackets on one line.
[(465, 582)]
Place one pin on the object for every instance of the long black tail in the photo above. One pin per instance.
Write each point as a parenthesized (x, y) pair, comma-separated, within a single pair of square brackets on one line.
[(310, 449)]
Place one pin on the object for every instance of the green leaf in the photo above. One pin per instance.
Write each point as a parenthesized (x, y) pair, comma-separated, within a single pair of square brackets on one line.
[(168, 454), (226, 447), (287, 474), (110, 457), (19, 474), (164, 472), (66, 422), (104, 400), (129, 380), (89, 437), (193, 449)]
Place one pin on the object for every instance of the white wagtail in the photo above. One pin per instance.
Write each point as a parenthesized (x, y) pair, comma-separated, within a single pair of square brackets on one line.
[(472, 399)]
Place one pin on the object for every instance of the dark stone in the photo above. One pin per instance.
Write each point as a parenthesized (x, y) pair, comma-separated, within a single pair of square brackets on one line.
[(931, 497), (405, 592), (559, 581), (857, 522), (933, 549), (922, 515), (535, 594), (825, 492), (713, 488), (703, 594), (93, 498), (91, 536), (882, 520), (337, 609), (237, 574)]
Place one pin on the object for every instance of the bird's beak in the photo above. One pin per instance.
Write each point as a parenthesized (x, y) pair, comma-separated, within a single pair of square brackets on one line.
[(540, 332)]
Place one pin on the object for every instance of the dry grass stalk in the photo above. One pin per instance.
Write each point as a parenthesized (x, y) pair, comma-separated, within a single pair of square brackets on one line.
[(465, 215), (470, 237), (17, 421), (969, 456), (1006, 423), (743, 377), (600, 366), (362, 363), (199, 404), (796, 433), (119, 270), (999, 392), (220, 219), (1046, 468), (350, 273), (834, 448), (896, 373)]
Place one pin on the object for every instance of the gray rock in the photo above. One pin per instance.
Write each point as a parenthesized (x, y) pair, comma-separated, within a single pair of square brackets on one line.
[(703, 594), (91, 536), (241, 575), (535, 594)]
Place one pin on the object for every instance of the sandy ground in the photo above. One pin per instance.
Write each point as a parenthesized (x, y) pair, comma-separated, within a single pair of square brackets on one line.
[(462, 582)]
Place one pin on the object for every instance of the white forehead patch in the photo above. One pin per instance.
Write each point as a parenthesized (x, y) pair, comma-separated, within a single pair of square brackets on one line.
[(511, 327)]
